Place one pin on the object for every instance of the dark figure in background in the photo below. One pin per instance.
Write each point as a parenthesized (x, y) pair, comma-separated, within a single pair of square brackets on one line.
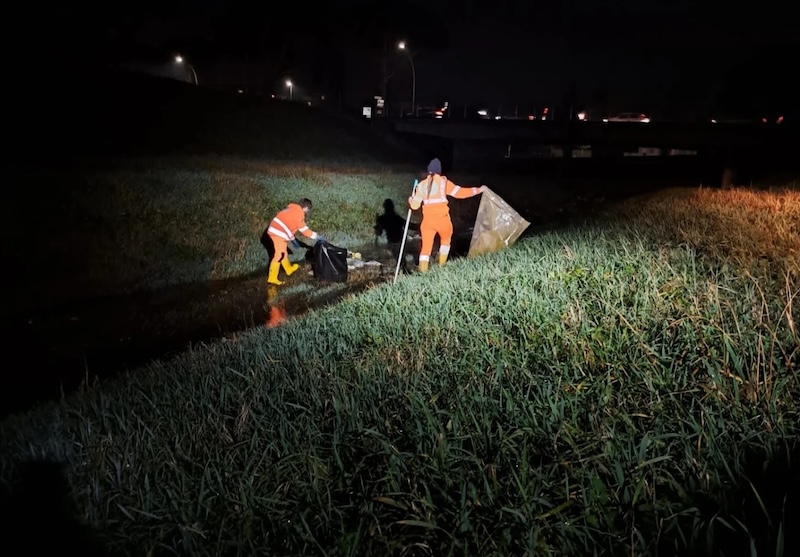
[(393, 225)]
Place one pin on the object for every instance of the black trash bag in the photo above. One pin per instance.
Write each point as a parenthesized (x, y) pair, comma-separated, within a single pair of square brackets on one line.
[(329, 263)]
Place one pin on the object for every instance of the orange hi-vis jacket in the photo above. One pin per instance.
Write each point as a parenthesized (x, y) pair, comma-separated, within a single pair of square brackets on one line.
[(432, 194), (289, 221)]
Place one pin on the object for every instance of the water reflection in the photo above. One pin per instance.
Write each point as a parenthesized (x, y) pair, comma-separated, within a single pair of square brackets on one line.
[(276, 312)]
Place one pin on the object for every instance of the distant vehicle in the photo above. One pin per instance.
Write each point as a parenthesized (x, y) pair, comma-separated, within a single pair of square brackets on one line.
[(734, 120), (628, 117), (433, 111)]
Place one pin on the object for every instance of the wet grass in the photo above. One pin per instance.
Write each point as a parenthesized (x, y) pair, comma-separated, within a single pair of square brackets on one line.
[(622, 386)]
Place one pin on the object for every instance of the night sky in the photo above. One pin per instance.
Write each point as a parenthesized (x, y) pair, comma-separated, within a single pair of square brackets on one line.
[(644, 55)]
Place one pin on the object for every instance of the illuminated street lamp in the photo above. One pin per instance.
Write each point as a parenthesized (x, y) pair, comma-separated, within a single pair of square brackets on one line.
[(402, 46), (179, 60), (290, 85)]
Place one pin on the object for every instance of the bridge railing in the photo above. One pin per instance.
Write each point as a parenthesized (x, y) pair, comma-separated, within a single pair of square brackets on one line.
[(480, 112), (547, 112)]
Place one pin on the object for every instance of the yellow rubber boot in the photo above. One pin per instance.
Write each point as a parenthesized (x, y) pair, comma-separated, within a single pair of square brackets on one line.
[(273, 274), (423, 266), (442, 259), (289, 267)]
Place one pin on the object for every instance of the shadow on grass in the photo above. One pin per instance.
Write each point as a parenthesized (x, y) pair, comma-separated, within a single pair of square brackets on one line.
[(38, 515), (754, 513), (757, 513)]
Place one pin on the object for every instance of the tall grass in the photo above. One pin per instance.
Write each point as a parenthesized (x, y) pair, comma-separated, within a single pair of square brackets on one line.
[(595, 390)]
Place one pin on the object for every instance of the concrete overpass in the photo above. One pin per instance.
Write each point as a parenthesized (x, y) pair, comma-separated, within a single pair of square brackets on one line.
[(655, 134), (481, 142)]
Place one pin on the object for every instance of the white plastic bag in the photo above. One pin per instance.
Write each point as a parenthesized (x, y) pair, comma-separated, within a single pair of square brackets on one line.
[(497, 225)]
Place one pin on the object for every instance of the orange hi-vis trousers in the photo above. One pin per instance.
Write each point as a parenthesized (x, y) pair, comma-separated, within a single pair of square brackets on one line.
[(430, 226)]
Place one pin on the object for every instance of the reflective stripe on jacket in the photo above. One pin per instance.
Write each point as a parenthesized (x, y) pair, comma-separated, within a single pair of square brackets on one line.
[(432, 193), (288, 222)]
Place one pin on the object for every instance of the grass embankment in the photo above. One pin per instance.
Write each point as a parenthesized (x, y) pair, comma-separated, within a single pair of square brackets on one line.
[(151, 223), (603, 388), (127, 113)]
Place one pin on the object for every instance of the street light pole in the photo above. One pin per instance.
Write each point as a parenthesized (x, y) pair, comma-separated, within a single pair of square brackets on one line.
[(179, 60), (402, 46), (290, 85)]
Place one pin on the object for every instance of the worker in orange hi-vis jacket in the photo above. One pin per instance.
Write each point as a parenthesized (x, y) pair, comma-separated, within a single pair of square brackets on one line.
[(431, 193), (280, 233)]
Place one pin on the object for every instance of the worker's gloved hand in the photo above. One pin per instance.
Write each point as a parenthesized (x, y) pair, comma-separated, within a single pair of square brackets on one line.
[(482, 189), (321, 238), (295, 244)]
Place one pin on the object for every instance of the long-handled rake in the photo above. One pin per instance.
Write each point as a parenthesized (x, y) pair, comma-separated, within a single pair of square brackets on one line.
[(405, 233)]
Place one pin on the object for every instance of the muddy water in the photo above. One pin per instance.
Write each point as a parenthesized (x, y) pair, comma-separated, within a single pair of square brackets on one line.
[(87, 340)]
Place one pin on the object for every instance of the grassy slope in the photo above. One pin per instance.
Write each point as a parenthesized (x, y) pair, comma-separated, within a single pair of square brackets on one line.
[(162, 222), (126, 113), (595, 388)]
